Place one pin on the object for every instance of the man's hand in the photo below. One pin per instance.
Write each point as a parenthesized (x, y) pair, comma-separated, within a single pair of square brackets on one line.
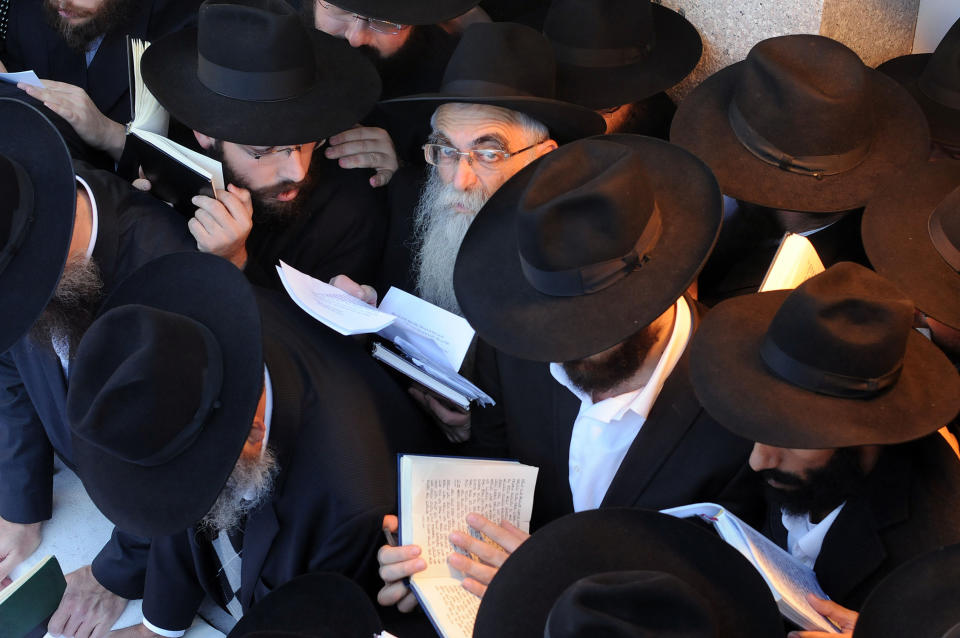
[(88, 609), (17, 542), (365, 147), (454, 422), (134, 631), (74, 105), (3, 69), (397, 563), (221, 226), (142, 183), (363, 292), (479, 574), (844, 618)]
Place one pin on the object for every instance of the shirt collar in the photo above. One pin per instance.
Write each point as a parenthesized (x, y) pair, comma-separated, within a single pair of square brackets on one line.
[(268, 411), (642, 399), (804, 539), (94, 227)]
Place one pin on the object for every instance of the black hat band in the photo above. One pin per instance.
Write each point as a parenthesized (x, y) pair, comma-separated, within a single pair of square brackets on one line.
[(601, 58), (21, 217), (591, 278), (812, 165), (483, 88), (254, 86), (820, 381), (937, 92), (941, 241)]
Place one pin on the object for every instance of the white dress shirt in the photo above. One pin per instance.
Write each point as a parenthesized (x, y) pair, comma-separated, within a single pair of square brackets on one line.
[(603, 431), (804, 539)]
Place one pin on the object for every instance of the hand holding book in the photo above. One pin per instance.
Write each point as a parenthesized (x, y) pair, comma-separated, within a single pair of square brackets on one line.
[(480, 560)]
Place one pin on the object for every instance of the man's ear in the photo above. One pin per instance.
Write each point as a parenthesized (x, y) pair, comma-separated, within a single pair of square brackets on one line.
[(205, 141), (546, 147)]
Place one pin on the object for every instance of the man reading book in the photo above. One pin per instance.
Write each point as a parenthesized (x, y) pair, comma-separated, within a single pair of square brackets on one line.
[(843, 400), (264, 109), (575, 282)]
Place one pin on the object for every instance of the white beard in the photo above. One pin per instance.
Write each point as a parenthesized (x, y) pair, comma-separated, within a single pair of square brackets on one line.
[(249, 485), (438, 230)]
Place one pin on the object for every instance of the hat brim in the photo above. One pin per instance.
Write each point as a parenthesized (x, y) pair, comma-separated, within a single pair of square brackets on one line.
[(944, 121), (737, 389), (567, 122), (347, 90), (701, 125), (30, 279), (518, 601), (510, 314), (919, 598), (897, 240), (677, 51), (415, 13), (169, 498)]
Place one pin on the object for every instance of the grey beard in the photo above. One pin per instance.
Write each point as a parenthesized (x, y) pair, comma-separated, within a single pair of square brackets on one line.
[(73, 306), (249, 485), (438, 230)]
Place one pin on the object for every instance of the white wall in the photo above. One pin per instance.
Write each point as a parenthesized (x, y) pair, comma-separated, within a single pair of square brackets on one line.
[(935, 17)]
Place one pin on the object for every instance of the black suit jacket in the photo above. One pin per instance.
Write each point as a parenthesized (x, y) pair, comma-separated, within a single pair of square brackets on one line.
[(680, 456), (336, 478), (910, 505)]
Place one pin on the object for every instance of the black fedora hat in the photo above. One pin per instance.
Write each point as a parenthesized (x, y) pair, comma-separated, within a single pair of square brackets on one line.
[(933, 79), (163, 391), (918, 599), (510, 66), (252, 73), (408, 12), (626, 561), (38, 193), (613, 52), (899, 240), (318, 605), (801, 124), (596, 240), (834, 363)]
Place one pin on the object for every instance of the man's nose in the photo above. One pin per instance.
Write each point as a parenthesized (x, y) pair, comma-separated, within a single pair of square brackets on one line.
[(296, 166), (357, 34), (763, 457), (464, 176)]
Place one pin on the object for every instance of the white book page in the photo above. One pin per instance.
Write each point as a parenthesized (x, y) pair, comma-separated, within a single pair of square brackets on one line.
[(423, 324), (27, 77), (148, 115), (452, 608), (331, 306), (795, 262)]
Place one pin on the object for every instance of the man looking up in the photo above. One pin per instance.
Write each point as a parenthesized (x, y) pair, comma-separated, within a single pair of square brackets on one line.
[(264, 109)]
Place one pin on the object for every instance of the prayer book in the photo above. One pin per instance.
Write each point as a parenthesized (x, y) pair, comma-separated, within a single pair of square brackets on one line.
[(436, 494), (176, 173), (420, 340), (796, 261), (27, 604), (789, 580), (27, 77)]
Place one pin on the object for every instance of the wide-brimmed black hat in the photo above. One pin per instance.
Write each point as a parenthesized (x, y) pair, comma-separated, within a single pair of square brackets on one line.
[(918, 599), (834, 363), (510, 66), (38, 194), (898, 237), (408, 11), (633, 573), (595, 240), (319, 605), (801, 124), (933, 79), (252, 73), (163, 391), (613, 52)]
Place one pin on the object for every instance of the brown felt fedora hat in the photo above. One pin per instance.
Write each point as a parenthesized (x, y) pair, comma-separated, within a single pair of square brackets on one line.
[(933, 79), (899, 228), (801, 124), (834, 363), (613, 52), (594, 241)]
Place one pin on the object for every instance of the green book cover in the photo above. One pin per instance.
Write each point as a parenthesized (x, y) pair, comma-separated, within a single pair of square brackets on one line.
[(28, 602)]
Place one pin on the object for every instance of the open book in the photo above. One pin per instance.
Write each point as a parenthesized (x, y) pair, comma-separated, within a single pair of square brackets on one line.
[(28, 602), (796, 261), (424, 342), (789, 580), (176, 173), (436, 494)]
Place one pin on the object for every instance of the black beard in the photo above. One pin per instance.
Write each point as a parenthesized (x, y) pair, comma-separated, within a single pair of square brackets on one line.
[(112, 15), (72, 308), (596, 377), (823, 489)]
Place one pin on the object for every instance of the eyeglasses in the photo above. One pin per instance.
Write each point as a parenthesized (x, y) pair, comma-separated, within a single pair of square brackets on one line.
[(272, 155), (488, 158), (380, 26)]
